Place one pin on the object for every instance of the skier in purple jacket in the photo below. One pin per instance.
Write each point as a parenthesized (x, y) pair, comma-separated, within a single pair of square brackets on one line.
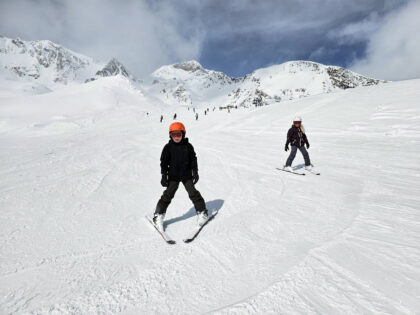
[(297, 138)]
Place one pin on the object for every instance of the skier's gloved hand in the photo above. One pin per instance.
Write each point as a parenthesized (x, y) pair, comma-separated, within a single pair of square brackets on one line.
[(307, 145), (164, 181), (195, 177), (286, 147)]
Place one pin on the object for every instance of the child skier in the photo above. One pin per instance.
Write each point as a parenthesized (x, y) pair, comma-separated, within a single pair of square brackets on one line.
[(178, 163), (297, 138)]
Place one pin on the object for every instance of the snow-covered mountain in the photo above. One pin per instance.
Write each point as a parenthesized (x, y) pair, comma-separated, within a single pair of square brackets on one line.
[(188, 83), (46, 63), (112, 68)]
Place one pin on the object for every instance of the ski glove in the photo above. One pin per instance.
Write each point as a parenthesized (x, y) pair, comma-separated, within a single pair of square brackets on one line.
[(164, 181), (195, 177), (307, 145), (286, 147)]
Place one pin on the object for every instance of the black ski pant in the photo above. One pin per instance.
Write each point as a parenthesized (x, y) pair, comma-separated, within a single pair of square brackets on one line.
[(169, 194), (293, 154)]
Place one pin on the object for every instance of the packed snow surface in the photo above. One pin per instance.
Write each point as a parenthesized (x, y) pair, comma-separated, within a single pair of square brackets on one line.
[(79, 170)]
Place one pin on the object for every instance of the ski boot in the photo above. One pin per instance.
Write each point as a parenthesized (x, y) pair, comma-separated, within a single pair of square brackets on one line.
[(288, 168), (158, 221), (202, 217)]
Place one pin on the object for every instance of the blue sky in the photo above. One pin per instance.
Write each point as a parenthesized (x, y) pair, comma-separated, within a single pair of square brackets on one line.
[(235, 36), (244, 35)]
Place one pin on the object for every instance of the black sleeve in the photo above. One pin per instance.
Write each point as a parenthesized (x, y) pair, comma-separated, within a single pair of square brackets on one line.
[(193, 159), (305, 138), (289, 137), (165, 159)]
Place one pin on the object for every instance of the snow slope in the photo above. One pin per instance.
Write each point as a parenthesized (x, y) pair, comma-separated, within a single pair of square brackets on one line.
[(80, 169)]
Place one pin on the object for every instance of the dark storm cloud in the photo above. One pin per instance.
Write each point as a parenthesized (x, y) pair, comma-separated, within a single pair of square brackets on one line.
[(235, 36)]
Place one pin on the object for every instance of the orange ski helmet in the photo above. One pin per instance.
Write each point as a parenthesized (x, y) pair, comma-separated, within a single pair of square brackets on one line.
[(177, 126)]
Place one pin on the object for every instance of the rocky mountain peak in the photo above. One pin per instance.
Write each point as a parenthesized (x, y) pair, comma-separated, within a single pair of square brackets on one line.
[(113, 67), (44, 61), (189, 66)]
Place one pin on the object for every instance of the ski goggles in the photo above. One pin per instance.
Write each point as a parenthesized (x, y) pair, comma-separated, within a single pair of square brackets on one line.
[(176, 134), (297, 122)]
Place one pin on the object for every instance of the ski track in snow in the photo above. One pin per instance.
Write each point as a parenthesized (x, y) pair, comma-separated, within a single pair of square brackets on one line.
[(73, 240)]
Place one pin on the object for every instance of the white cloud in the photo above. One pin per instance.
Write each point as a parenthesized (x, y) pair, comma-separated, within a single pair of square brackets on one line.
[(357, 31), (236, 36), (141, 36), (394, 48)]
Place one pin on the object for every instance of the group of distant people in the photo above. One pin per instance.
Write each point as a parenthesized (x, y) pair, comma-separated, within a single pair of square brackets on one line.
[(206, 111)]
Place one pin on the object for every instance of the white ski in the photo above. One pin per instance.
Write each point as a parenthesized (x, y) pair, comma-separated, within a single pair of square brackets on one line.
[(162, 233), (198, 228), (293, 172), (313, 172)]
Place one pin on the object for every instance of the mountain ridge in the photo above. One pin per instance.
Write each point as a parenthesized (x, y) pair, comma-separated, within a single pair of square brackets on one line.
[(185, 83), (48, 63)]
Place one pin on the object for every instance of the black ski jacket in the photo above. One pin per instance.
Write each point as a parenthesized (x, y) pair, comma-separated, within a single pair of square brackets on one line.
[(178, 160), (296, 137)]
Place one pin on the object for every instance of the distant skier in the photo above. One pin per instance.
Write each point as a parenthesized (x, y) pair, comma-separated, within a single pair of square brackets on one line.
[(161, 118), (297, 138), (178, 163), (196, 116), (174, 116)]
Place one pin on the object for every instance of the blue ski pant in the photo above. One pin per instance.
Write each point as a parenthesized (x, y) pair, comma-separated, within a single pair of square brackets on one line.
[(293, 154)]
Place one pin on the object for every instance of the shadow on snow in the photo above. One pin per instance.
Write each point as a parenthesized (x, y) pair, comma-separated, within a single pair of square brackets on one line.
[(211, 206)]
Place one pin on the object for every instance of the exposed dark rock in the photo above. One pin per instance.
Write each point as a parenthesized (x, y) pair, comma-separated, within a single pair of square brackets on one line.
[(113, 67)]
